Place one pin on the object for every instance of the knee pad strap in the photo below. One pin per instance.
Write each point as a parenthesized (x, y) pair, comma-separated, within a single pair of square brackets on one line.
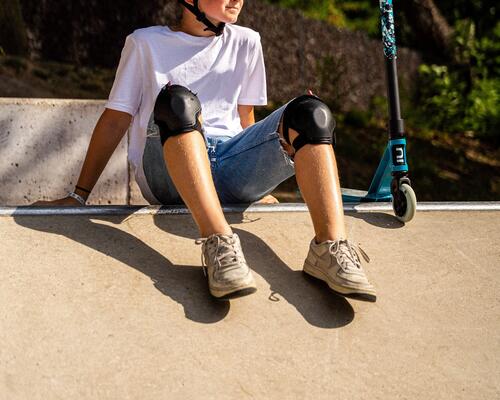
[(176, 111), (312, 119)]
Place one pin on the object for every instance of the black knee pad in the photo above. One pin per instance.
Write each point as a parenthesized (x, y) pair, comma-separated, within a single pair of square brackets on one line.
[(312, 119), (176, 111)]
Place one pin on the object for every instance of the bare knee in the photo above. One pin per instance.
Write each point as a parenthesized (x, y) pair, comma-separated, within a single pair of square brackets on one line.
[(293, 134)]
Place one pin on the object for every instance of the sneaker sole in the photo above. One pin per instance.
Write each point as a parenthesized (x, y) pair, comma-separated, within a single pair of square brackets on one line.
[(224, 296), (243, 289), (354, 293)]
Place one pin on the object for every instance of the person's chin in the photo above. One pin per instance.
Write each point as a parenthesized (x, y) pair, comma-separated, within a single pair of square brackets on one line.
[(230, 19)]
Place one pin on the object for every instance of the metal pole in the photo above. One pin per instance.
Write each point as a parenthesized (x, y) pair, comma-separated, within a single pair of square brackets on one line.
[(396, 124)]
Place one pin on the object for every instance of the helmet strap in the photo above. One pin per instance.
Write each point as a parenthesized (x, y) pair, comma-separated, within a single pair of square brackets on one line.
[(200, 16)]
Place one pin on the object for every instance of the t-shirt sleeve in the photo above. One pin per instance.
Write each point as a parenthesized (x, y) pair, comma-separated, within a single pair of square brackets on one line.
[(253, 89), (126, 92)]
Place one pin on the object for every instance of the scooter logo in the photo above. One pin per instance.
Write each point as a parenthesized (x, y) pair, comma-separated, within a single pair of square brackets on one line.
[(398, 154)]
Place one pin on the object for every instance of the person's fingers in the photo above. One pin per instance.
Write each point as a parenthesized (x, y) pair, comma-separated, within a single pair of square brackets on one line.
[(66, 201), (39, 203), (268, 200)]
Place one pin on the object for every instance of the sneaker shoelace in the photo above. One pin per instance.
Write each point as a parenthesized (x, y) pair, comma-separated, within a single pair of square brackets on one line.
[(228, 261), (348, 256)]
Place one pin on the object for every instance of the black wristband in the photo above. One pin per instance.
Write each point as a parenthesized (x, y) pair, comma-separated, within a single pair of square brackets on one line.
[(82, 189)]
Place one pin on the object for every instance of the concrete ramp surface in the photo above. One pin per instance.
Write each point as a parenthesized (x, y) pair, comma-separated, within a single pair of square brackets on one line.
[(117, 307)]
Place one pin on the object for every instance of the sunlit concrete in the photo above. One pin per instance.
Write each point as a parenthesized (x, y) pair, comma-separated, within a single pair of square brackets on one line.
[(116, 307)]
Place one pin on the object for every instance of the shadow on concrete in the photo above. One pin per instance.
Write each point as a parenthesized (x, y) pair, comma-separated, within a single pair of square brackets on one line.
[(378, 219), (184, 284), (314, 301)]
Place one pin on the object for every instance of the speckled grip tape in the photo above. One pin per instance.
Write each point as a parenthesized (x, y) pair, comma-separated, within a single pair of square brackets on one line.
[(388, 34)]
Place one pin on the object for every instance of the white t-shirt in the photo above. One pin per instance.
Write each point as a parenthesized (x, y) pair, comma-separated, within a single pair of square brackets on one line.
[(224, 71)]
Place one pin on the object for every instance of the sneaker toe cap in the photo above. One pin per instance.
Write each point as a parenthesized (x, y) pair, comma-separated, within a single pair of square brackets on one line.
[(354, 278), (240, 276)]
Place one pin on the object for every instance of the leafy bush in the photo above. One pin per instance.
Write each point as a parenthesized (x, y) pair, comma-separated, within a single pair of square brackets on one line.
[(440, 98), (483, 111), (465, 95)]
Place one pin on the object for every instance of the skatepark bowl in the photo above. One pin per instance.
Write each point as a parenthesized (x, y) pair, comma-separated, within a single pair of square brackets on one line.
[(110, 302)]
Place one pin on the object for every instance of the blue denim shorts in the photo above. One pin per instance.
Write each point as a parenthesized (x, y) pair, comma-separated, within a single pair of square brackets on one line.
[(244, 168)]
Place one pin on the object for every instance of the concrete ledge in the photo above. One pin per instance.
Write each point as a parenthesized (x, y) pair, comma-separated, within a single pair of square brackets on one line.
[(254, 208)]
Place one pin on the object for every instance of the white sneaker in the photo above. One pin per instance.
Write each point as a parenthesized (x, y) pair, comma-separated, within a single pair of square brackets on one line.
[(224, 263), (337, 263)]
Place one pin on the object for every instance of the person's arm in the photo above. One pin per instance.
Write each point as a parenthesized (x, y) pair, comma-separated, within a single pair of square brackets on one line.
[(247, 116), (108, 133)]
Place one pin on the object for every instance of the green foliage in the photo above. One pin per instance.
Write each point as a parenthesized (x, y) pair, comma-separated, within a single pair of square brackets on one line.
[(364, 15), (355, 15), (483, 111), (440, 97), (488, 53), (325, 10), (351, 14), (361, 15), (483, 13), (464, 96)]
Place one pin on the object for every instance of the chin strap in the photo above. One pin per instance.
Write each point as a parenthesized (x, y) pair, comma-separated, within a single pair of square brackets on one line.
[(200, 16)]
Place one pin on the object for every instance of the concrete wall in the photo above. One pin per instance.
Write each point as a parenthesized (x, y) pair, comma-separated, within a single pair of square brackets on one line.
[(43, 143)]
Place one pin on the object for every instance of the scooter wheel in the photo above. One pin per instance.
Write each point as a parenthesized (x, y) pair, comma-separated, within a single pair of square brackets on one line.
[(404, 203)]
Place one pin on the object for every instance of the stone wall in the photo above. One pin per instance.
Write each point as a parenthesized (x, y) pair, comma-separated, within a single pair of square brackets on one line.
[(345, 68)]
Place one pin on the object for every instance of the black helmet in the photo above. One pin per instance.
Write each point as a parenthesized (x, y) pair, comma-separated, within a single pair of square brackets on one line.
[(200, 16)]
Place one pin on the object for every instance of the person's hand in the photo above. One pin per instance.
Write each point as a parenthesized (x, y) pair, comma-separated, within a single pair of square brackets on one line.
[(268, 200), (66, 201)]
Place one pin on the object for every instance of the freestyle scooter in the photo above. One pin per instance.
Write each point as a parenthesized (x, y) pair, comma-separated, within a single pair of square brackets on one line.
[(390, 182)]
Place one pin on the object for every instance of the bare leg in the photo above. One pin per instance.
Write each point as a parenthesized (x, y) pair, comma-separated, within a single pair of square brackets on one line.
[(188, 165), (318, 180)]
